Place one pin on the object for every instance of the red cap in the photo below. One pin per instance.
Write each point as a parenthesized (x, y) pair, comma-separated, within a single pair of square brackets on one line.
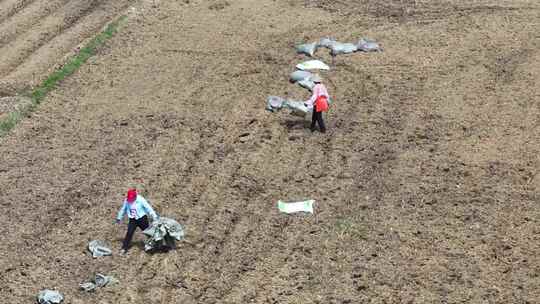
[(131, 195)]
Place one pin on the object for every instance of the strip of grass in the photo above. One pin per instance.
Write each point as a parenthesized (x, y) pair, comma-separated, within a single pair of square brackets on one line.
[(54, 79)]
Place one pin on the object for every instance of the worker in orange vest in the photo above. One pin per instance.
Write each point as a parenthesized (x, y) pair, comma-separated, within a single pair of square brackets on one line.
[(318, 103)]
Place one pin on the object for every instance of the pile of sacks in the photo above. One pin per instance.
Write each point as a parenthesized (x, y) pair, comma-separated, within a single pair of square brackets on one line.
[(306, 79), (337, 48)]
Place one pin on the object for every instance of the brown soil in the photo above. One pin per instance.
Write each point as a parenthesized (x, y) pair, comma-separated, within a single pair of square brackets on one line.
[(37, 36), (426, 185)]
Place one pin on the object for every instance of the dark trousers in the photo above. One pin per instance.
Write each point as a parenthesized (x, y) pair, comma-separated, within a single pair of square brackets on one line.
[(317, 118), (132, 226)]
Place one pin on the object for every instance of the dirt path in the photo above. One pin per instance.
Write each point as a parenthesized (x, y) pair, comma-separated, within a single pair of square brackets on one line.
[(426, 185)]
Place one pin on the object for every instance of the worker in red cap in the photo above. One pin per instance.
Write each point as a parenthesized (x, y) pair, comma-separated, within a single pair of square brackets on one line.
[(137, 209)]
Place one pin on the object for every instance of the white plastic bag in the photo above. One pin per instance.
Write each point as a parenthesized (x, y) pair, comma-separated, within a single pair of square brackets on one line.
[(312, 65)]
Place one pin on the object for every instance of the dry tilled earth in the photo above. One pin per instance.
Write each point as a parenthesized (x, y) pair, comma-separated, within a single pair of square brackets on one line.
[(38, 36), (426, 184)]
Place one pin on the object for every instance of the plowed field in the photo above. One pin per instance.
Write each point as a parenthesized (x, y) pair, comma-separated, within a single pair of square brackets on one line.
[(36, 36), (426, 184)]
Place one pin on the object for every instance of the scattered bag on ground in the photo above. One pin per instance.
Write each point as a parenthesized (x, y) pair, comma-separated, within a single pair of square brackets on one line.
[(338, 48), (303, 78), (99, 248), (98, 282), (304, 206), (276, 103), (48, 296), (326, 42), (307, 84), (299, 75), (298, 108), (307, 48), (312, 65), (363, 45), (163, 234), (367, 45)]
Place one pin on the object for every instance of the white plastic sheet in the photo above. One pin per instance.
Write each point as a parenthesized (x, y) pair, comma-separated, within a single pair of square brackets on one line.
[(304, 206)]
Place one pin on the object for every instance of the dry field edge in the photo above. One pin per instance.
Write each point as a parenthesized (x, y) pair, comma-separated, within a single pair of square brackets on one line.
[(9, 121)]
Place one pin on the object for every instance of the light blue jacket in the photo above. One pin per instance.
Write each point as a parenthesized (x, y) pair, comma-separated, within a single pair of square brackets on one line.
[(141, 205)]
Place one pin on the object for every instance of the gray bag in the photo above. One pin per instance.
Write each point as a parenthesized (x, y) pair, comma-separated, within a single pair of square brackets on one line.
[(342, 48), (163, 233), (299, 75), (99, 248), (367, 45), (276, 103), (307, 48), (297, 107), (98, 282), (326, 42), (48, 296), (307, 84)]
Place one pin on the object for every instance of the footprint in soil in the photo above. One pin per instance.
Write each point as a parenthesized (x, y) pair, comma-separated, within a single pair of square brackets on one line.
[(219, 5), (244, 137)]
